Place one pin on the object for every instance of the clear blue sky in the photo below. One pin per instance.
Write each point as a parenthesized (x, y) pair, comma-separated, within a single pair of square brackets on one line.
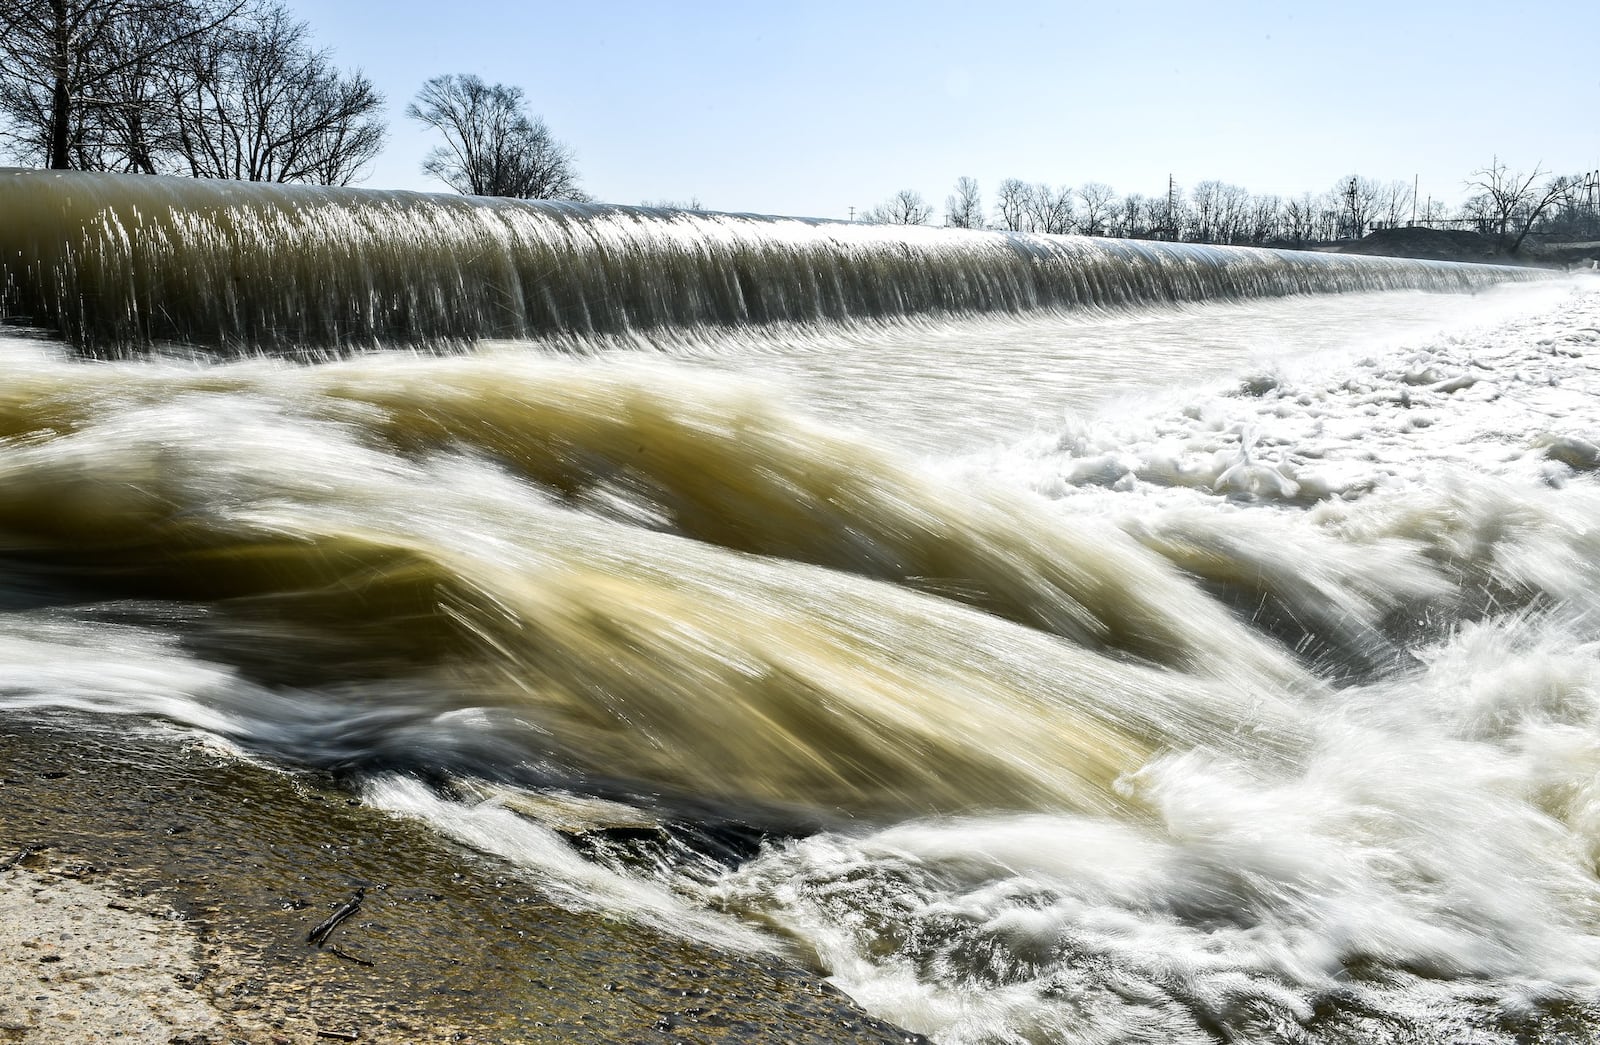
[(810, 108)]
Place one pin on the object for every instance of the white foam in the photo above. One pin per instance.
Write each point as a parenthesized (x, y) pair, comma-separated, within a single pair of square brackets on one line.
[(1442, 828)]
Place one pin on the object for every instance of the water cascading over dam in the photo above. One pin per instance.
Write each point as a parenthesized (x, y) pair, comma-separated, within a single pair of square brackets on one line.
[(1260, 704), (113, 262)]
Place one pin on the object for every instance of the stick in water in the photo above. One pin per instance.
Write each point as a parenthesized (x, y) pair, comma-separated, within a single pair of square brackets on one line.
[(340, 952), (26, 852), (320, 934)]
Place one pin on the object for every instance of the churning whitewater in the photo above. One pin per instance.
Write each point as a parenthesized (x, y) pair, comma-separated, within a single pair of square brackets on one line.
[(1045, 647)]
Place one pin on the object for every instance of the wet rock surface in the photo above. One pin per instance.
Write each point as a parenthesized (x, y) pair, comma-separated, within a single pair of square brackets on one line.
[(156, 890)]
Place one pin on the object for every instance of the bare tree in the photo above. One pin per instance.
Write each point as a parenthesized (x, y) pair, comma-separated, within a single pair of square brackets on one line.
[(1130, 216), (1266, 219), (218, 88), (1099, 205), (1233, 214), (253, 100), (1011, 206), (692, 204), (1357, 204), (1050, 210), (1166, 215), (1511, 204), (61, 61), (1394, 204), (493, 147), (1330, 219), (120, 128), (1299, 218), (1577, 215), (1154, 216), (963, 209), (1202, 223), (906, 207)]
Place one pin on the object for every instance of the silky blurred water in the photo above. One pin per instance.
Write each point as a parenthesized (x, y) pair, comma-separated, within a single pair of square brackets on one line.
[(981, 384), (1171, 667)]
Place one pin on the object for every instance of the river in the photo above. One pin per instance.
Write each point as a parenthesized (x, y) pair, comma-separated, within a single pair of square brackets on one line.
[(1047, 639)]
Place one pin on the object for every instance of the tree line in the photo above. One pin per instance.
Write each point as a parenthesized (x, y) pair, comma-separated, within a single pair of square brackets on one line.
[(239, 89), (1506, 204), (209, 88)]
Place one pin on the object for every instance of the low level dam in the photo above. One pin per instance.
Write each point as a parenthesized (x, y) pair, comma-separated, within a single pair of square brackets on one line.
[(110, 261)]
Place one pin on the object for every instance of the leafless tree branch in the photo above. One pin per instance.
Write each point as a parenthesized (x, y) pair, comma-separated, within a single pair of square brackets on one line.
[(492, 146)]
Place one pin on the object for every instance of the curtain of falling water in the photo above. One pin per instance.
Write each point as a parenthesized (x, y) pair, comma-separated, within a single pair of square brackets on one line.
[(114, 262)]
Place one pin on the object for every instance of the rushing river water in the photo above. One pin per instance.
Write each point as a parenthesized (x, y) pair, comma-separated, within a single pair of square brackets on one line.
[(1050, 640)]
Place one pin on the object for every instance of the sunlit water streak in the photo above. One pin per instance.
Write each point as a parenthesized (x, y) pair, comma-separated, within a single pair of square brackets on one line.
[(982, 383)]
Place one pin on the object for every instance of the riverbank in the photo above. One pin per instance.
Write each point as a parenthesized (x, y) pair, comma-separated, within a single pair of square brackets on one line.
[(1460, 245), (156, 890)]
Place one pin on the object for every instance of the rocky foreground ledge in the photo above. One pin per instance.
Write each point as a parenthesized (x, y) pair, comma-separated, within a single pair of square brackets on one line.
[(156, 891)]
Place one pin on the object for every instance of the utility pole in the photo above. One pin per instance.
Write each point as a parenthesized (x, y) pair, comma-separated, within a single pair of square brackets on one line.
[(852, 214), (1172, 200)]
